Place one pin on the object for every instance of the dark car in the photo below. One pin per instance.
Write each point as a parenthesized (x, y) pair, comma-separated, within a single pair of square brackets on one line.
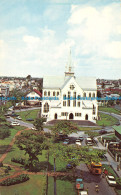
[(29, 119), (69, 166), (81, 138), (102, 132), (14, 115)]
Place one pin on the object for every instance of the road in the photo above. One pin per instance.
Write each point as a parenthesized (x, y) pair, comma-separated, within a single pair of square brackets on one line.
[(112, 114), (90, 180)]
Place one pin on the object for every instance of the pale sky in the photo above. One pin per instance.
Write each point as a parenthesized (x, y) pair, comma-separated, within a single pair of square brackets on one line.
[(36, 35)]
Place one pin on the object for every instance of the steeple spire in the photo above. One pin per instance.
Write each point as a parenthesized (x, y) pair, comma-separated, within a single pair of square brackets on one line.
[(69, 66)]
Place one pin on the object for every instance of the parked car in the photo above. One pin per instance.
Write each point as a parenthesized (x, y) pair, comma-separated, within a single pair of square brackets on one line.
[(79, 184), (19, 118), (14, 115), (111, 180), (29, 119), (83, 193), (81, 138), (78, 142), (69, 166), (89, 141), (101, 132), (66, 141), (34, 128), (14, 123)]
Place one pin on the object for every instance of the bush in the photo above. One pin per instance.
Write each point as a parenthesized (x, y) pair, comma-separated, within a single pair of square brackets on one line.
[(15, 180), (1, 164), (4, 132), (18, 160), (9, 168), (118, 180), (6, 171)]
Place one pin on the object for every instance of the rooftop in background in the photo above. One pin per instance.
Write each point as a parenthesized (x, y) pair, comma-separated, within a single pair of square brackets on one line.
[(117, 128)]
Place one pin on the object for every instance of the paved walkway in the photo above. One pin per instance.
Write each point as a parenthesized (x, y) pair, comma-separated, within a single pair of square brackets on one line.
[(111, 161)]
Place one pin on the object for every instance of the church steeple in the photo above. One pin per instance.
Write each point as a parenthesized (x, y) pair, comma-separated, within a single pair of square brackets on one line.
[(69, 66)]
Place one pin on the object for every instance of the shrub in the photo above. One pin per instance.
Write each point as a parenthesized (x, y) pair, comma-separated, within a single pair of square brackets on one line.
[(15, 180), (4, 132), (9, 168), (18, 160), (1, 164), (6, 171)]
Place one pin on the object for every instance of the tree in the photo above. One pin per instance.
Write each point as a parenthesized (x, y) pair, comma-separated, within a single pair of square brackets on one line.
[(18, 94), (38, 123), (65, 127), (33, 144), (98, 94)]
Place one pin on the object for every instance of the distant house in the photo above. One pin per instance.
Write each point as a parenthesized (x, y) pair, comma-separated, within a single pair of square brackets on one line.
[(34, 97), (117, 131)]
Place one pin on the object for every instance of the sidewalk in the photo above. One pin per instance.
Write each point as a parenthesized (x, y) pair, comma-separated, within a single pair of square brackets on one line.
[(111, 161)]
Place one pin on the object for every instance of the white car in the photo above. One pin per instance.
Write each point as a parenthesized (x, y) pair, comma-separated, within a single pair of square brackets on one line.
[(15, 123), (78, 142), (111, 180), (19, 118), (34, 128), (83, 193)]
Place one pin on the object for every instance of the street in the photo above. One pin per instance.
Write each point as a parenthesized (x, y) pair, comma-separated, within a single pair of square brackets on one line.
[(90, 180)]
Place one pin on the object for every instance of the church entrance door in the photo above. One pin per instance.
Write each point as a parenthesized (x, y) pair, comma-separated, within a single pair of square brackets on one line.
[(56, 116), (71, 116)]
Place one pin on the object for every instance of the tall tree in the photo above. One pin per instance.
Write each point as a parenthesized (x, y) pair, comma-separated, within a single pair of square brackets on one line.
[(38, 123), (33, 144)]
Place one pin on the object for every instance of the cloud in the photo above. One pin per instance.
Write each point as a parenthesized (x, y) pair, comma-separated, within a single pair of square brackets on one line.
[(96, 30)]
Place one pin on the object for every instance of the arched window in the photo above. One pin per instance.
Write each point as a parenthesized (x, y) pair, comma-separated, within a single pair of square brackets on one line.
[(64, 96), (84, 94), (94, 95), (48, 93), (89, 94), (78, 97), (45, 93), (46, 107), (53, 93)]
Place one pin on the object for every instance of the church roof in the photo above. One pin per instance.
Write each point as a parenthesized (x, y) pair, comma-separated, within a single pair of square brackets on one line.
[(58, 82)]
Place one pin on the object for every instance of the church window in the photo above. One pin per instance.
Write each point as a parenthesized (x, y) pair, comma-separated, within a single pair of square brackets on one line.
[(84, 95), (79, 97), (94, 95), (45, 93), (64, 97), (46, 107), (74, 103), (64, 103), (68, 103), (78, 104), (48, 93)]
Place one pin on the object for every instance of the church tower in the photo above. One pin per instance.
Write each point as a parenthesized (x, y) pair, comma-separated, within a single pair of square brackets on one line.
[(69, 66)]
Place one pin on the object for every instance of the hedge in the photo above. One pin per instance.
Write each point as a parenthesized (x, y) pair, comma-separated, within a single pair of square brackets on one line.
[(16, 180)]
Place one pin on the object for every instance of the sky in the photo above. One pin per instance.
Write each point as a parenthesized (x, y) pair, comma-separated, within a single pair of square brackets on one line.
[(37, 35)]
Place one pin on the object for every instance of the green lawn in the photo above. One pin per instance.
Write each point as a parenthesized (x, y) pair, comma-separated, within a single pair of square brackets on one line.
[(36, 185), (4, 143), (107, 120), (60, 165), (109, 109), (28, 114), (63, 187)]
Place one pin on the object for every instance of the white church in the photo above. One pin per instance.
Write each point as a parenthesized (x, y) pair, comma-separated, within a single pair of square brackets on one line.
[(75, 96)]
